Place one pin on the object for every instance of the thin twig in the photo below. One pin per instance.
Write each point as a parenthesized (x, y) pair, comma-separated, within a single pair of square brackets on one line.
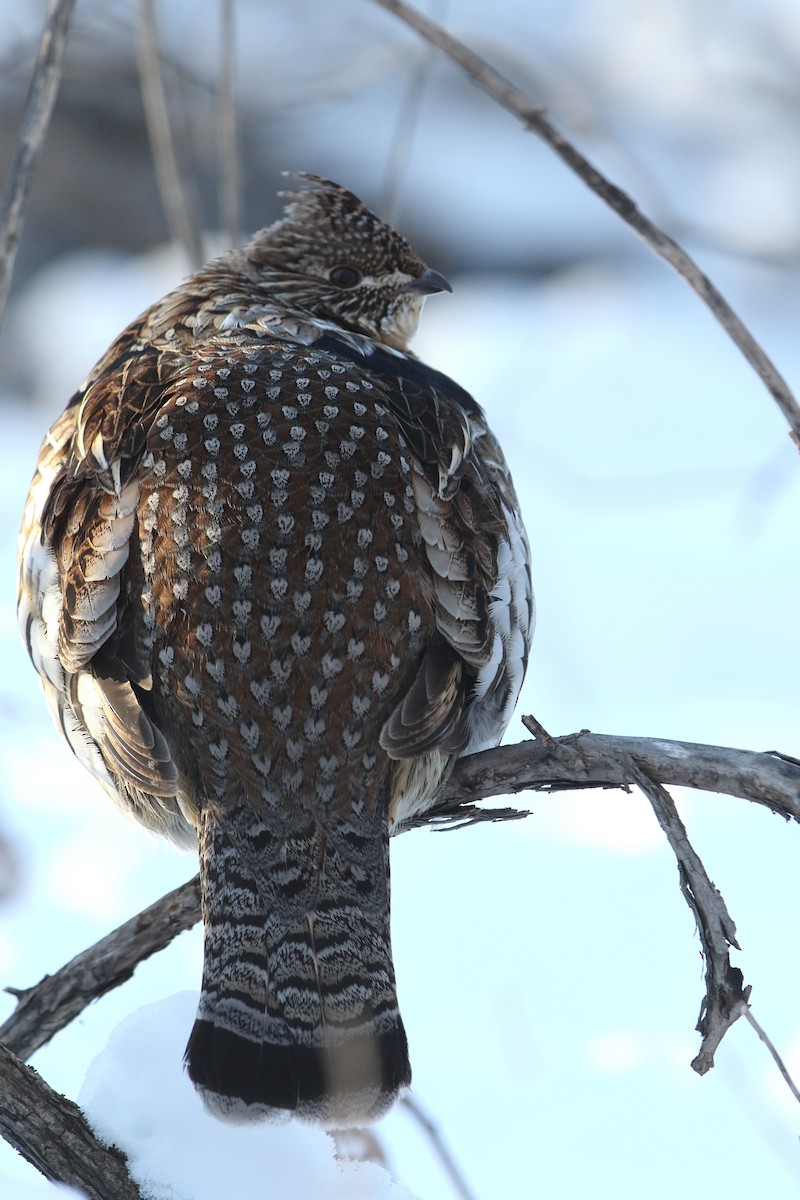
[(534, 119), (54, 1136), (183, 226), (434, 1136), (39, 105), (779, 1063), (405, 127), (227, 127)]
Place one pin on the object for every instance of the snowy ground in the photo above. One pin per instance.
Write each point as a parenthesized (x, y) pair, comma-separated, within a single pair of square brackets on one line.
[(549, 973)]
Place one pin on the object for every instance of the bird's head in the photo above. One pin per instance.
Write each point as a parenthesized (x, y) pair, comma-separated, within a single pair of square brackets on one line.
[(331, 257)]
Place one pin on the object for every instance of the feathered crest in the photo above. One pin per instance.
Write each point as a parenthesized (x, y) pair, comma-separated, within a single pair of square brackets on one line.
[(321, 214)]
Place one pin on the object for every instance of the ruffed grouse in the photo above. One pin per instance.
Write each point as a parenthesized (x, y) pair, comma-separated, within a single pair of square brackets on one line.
[(275, 581)]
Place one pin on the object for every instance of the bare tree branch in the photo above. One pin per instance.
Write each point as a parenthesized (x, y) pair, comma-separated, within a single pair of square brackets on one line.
[(534, 119), (600, 760), (45, 1009), (183, 226), (54, 1136), (726, 998), (554, 764), (35, 121)]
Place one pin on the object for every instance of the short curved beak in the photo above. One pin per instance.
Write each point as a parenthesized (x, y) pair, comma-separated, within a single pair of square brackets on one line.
[(427, 283)]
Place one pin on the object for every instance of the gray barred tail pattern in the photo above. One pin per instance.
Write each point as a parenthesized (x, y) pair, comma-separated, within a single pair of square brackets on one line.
[(274, 578), (298, 1011)]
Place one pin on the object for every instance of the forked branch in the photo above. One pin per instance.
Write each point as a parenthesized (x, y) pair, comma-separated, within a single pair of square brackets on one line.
[(546, 764)]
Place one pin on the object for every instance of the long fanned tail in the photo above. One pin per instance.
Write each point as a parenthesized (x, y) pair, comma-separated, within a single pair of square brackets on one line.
[(298, 1012)]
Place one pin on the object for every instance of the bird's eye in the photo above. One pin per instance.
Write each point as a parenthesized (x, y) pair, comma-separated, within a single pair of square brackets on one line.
[(344, 277)]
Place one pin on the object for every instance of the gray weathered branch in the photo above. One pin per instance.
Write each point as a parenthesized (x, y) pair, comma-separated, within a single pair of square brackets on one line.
[(600, 760), (515, 101), (726, 997), (547, 764), (57, 999)]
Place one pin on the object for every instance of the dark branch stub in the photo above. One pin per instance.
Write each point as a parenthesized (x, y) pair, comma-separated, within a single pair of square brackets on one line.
[(538, 730)]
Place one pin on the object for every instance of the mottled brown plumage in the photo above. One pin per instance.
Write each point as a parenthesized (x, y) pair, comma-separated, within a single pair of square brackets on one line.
[(275, 580)]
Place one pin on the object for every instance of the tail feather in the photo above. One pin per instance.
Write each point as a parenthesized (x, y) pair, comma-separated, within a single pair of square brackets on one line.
[(350, 1083), (298, 1012)]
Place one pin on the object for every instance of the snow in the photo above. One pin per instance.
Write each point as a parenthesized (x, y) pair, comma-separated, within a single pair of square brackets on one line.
[(137, 1096)]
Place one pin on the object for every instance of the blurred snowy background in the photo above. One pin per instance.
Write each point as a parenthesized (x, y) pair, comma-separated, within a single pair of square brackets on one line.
[(549, 972)]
